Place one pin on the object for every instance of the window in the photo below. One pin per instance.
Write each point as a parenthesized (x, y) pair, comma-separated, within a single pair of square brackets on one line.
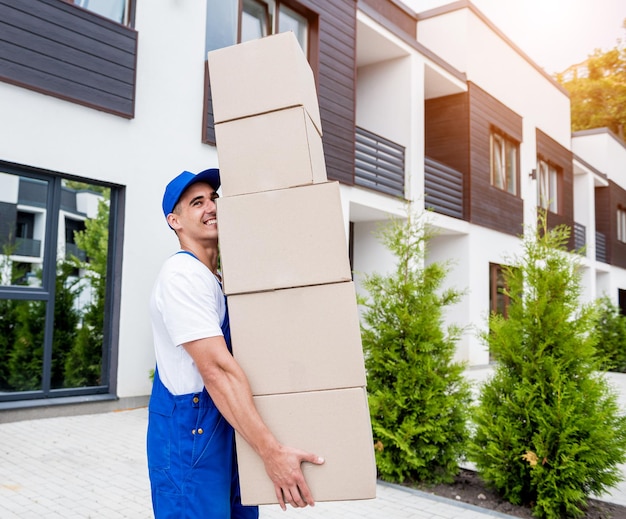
[(621, 224), (548, 180), (498, 300), (56, 248), (503, 153), (116, 10), (231, 21)]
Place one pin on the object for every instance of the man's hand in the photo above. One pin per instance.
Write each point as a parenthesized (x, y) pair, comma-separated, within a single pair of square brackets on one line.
[(283, 466)]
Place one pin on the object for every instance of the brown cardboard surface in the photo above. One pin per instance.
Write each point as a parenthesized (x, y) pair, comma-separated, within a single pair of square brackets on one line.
[(298, 339), (333, 424), (276, 150), (283, 239), (260, 76)]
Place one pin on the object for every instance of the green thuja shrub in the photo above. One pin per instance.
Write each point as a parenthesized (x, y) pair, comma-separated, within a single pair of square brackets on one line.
[(548, 429), (418, 396), (611, 335)]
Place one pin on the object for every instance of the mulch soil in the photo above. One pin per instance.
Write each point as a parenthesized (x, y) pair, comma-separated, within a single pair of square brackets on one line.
[(469, 488)]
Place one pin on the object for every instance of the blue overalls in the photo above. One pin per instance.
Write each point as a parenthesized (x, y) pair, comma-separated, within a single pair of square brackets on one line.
[(191, 456)]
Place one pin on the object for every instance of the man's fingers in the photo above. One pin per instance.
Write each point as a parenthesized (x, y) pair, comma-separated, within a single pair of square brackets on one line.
[(280, 498), (313, 458)]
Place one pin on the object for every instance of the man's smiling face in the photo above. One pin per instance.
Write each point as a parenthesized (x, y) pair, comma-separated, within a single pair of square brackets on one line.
[(195, 214)]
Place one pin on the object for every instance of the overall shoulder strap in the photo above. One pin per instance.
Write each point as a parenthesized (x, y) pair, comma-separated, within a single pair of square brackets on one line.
[(187, 252)]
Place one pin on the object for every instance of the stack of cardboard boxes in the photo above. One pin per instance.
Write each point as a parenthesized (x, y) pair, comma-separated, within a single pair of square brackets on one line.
[(292, 304)]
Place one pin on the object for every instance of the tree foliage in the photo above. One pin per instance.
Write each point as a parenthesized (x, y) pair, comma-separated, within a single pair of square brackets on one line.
[(611, 332), (548, 428), (598, 99), (418, 397)]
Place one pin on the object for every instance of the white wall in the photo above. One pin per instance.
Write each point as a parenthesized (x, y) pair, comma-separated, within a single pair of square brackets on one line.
[(604, 151), (382, 89)]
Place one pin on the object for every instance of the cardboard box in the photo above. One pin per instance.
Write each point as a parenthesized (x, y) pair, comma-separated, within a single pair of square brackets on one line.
[(283, 239), (276, 150), (298, 339), (260, 76), (333, 424)]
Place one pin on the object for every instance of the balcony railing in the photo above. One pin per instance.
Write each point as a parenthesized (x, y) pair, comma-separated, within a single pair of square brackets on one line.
[(379, 163), (580, 236), (600, 247), (27, 247), (443, 187), (71, 249)]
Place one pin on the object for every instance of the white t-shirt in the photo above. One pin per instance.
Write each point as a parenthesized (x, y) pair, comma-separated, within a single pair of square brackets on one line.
[(187, 303)]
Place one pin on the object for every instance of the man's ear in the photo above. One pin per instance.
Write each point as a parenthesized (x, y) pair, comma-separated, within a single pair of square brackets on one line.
[(172, 220)]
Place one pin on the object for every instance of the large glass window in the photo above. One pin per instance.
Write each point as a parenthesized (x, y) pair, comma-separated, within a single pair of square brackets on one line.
[(548, 186), (503, 162), (498, 299), (55, 251), (234, 21)]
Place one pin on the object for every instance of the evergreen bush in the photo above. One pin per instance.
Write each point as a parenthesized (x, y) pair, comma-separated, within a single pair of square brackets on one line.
[(611, 330), (418, 396), (548, 429)]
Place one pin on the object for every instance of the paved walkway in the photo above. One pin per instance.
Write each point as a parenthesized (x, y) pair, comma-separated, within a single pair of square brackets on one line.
[(94, 466)]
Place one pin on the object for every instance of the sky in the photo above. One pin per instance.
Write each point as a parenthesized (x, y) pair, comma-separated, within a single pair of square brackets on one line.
[(553, 33)]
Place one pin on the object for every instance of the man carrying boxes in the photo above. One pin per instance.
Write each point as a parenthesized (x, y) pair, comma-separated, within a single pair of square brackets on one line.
[(200, 393), (296, 375)]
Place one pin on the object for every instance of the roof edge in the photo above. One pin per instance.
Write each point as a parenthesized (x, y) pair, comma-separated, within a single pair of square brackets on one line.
[(467, 4), (599, 131)]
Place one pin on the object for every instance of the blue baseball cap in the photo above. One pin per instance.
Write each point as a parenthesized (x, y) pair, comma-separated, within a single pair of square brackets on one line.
[(177, 186)]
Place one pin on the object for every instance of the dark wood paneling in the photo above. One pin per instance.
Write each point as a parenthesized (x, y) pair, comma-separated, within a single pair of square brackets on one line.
[(561, 158), (61, 50), (335, 71), (602, 202), (617, 249), (489, 206), (446, 131), (608, 200), (399, 16)]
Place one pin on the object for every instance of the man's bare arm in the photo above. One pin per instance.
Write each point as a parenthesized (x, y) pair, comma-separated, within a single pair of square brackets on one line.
[(230, 390)]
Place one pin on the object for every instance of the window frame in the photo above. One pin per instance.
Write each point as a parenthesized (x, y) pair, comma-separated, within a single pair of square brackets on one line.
[(503, 144), (621, 224), (549, 176), (272, 10), (46, 293), (128, 17)]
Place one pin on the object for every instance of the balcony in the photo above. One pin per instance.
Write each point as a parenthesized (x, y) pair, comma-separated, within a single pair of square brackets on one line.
[(580, 236), (379, 163), (443, 187)]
